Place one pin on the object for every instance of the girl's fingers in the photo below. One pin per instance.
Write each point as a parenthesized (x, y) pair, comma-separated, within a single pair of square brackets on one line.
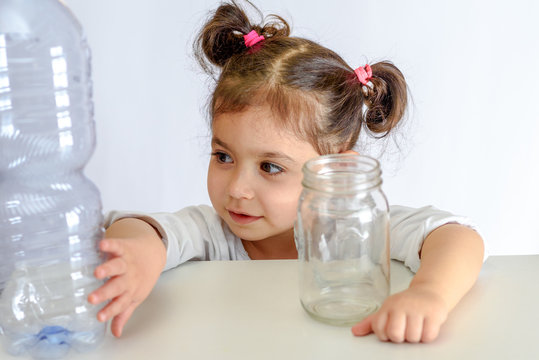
[(396, 326), (110, 290), (112, 246), (431, 330), (115, 307), (121, 319), (414, 328), (364, 327), (115, 266), (378, 325)]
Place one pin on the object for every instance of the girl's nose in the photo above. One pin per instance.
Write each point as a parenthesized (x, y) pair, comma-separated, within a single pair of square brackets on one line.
[(241, 186)]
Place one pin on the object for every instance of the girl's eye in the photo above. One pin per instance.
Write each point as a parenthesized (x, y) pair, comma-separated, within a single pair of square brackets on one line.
[(222, 157), (270, 168)]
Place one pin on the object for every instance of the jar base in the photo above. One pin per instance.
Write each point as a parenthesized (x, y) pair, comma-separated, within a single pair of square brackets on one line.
[(340, 311)]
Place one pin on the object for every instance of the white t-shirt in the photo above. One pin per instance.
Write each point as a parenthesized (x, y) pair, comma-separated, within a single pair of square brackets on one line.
[(198, 233)]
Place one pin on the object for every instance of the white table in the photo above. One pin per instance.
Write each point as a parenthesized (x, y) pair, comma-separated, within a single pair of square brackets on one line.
[(250, 310)]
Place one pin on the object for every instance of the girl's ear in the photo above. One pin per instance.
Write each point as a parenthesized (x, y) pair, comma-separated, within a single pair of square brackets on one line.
[(351, 152)]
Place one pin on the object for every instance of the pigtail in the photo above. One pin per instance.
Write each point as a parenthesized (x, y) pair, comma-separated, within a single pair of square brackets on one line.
[(386, 99), (221, 37)]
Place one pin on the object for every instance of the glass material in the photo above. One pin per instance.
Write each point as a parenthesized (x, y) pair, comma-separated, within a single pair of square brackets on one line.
[(342, 236)]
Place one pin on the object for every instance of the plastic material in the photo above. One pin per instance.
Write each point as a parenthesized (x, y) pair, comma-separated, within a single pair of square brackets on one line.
[(50, 213)]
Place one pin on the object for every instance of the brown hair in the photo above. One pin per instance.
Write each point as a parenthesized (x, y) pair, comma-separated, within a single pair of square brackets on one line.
[(310, 88)]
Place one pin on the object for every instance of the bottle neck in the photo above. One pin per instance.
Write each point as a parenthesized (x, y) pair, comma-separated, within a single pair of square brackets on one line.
[(342, 174)]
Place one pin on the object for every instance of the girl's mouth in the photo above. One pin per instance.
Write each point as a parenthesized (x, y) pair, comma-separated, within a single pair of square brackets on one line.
[(242, 219)]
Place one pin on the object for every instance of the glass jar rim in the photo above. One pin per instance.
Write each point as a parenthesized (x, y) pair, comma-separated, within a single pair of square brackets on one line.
[(342, 173)]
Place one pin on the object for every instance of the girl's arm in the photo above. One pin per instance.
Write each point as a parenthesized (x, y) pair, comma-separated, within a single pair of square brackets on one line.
[(451, 258), (136, 257)]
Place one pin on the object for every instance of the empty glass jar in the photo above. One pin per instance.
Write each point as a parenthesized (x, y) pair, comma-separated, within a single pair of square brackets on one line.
[(342, 236)]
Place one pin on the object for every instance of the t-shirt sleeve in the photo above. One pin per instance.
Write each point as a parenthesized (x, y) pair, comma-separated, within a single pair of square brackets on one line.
[(410, 226), (193, 233)]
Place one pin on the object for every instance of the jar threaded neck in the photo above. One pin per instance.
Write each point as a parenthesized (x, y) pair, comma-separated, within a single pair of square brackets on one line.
[(342, 173)]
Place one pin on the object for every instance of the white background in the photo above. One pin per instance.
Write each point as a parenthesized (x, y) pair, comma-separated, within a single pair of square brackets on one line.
[(469, 144)]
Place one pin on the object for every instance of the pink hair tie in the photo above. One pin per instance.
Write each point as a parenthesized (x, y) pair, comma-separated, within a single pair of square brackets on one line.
[(252, 38), (364, 74)]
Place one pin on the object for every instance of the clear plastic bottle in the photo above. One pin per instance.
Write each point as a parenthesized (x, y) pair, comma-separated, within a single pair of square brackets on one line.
[(342, 236), (50, 213)]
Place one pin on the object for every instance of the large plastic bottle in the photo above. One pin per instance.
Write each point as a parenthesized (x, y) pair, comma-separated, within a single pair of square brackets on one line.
[(50, 213)]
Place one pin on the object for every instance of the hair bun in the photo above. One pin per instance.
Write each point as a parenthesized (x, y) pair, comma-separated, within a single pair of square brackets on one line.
[(221, 37), (387, 100)]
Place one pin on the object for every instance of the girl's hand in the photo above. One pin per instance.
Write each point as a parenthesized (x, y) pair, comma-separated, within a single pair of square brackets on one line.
[(413, 315), (451, 258), (133, 267)]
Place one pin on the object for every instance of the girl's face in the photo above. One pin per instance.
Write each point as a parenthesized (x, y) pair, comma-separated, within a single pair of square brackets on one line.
[(254, 176)]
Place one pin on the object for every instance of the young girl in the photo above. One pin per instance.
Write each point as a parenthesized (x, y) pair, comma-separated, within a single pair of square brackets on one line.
[(280, 101)]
